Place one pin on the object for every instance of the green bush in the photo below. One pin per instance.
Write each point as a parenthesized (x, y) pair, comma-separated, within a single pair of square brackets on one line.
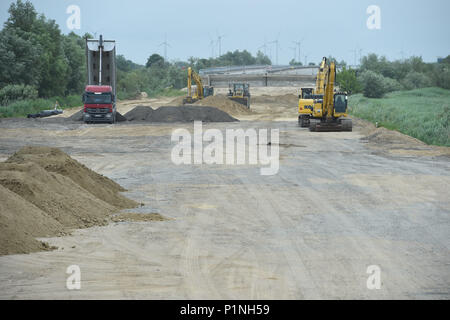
[(415, 80), (440, 75), (347, 81), (374, 84), (392, 85), (11, 93)]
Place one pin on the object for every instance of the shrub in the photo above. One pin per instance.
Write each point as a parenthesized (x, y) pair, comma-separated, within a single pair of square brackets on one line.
[(347, 81), (374, 84), (441, 75), (392, 85), (16, 92), (415, 80)]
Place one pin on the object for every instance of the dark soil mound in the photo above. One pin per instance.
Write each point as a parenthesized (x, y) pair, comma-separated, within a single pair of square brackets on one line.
[(140, 113), (188, 114), (79, 117), (120, 117)]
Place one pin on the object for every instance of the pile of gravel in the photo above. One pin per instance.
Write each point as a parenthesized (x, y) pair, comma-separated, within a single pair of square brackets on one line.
[(169, 114), (78, 116), (179, 114), (140, 113)]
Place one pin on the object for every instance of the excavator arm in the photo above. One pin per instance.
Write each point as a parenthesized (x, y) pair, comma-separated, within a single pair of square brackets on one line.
[(328, 98), (321, 76), (192, 75), (330, 115)]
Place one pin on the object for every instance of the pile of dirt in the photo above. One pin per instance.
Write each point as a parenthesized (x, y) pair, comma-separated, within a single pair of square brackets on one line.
[(225, 104), (45, 193), (179, 114), (20, 222), (284, 99), (78, 116), (139, 113), (54, 160)]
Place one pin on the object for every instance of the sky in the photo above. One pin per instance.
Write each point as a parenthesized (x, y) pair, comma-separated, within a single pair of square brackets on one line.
[(325, 27)]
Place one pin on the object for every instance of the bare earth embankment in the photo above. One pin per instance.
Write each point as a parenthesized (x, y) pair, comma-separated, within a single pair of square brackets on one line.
[(339, 203)]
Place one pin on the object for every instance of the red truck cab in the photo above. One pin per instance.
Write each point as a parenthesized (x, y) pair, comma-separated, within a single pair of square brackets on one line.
[(99, 104)]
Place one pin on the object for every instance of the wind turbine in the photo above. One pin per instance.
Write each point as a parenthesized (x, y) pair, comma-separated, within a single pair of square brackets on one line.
[(212, 46), (295, 52), (299, 44), (306, 59), (219, 42), (277, 43), (264, 46), (165, 44)]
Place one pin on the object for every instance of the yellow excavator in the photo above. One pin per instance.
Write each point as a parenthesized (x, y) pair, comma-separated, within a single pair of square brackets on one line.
[(200, 92), (329, 113), (308, 95)]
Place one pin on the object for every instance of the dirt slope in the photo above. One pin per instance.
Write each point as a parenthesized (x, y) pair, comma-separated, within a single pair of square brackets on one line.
[(221, 102), (44, 192)]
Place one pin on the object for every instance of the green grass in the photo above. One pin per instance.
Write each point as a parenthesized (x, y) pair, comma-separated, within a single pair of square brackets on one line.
[(23, 107), (421, 113)]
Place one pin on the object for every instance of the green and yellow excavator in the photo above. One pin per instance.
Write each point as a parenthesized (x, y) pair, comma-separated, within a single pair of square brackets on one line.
[(323, 109), (198, 93)]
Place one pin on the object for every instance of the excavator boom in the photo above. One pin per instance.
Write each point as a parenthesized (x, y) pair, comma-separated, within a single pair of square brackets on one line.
[(331, 113), (201, 90)]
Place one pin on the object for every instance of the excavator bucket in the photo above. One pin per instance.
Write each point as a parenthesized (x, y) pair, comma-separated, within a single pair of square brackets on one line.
[(242, 100)]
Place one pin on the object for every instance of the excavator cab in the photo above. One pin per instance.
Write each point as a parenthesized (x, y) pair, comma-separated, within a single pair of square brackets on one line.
[(340, 102), (306, 93)]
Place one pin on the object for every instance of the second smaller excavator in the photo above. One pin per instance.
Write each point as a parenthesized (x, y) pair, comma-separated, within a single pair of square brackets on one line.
[(200, 91)]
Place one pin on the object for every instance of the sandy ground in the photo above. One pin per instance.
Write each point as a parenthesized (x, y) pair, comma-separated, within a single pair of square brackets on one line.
[(339, 203)]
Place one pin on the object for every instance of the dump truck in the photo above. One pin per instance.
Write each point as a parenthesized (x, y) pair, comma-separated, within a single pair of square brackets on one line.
[(200, 92), (239, 92), (99, 97)]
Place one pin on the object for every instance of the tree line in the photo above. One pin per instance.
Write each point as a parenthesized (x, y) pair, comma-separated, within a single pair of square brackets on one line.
[(38, 61), (377, 75)]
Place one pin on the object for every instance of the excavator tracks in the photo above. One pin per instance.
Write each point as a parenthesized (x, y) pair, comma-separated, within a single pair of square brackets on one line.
[(336, 126)]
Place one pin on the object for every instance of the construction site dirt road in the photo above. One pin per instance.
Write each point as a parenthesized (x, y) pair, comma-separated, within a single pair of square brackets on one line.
[(341, 202)]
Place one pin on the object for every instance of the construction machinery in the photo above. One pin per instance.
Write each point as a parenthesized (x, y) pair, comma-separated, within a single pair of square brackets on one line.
[(307, 96), (239, 92), (99, 97), (329, 112), (200, 91)]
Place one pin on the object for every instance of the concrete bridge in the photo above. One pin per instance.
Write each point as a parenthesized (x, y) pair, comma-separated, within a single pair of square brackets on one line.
[(260, 76)]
